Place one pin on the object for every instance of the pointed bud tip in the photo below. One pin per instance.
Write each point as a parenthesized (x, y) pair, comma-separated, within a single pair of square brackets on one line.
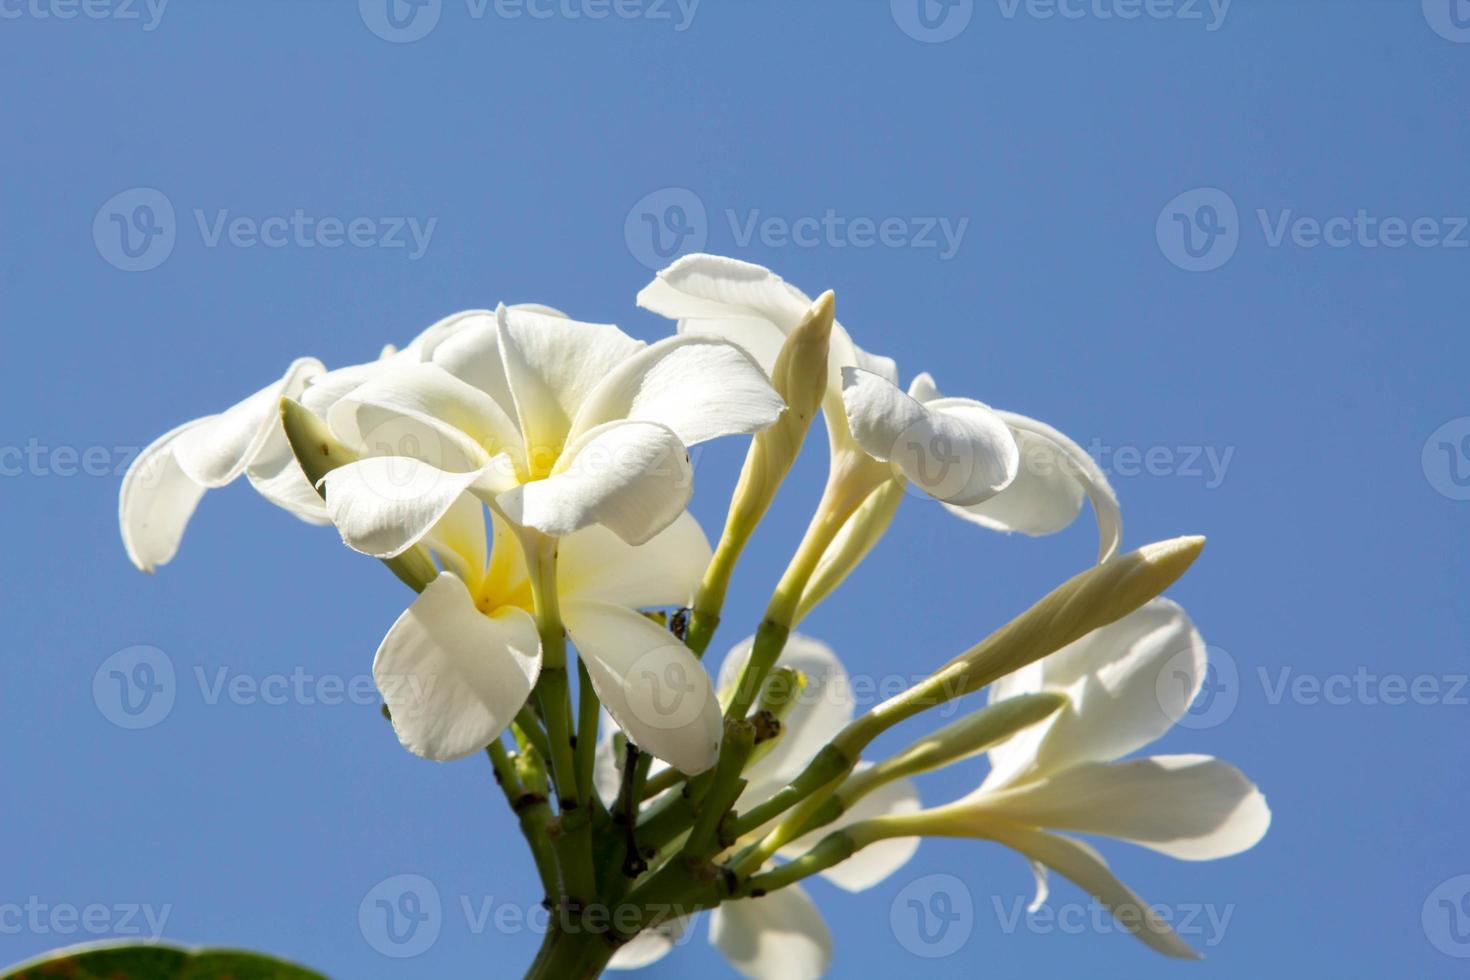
[(1185, 548), (820, 315)]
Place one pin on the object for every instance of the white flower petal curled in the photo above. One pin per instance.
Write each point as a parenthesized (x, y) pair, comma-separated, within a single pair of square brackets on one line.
[(960, 453), (698, 387), (1126, 685), (1076, 861), (551, 365), (596, 564), (452, 677), (164, 485), (156, 502), (633, 477), (384, 505), (649, 682), (214, 454), (1190, 807)]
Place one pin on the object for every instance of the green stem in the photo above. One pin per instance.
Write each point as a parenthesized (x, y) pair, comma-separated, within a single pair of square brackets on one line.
[(833, 849), (532, 731), (571, 953), (587, 716), (665, 780), (572, 832)]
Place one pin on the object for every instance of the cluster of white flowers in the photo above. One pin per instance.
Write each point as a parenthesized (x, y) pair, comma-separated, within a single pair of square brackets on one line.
[(574, 438)]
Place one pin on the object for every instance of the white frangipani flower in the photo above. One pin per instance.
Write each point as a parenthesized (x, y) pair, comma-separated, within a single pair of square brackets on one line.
[(998, 469), (165, 483), (782, 935), (557, 424), (913, 431), (462, 660), (1126, 685)]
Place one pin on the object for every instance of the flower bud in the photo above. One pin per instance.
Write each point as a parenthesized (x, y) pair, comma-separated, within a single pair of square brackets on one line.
[(800, 376), (318, 452), (1101, 595)]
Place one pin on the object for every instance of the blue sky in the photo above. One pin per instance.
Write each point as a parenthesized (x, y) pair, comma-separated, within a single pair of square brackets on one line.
[(1224, 247)]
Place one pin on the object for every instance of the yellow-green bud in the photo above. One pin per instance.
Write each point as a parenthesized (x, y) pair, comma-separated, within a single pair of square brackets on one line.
[(318, 452)]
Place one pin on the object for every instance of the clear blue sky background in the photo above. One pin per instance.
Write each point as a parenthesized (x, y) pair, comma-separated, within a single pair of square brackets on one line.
[(1336, 543)]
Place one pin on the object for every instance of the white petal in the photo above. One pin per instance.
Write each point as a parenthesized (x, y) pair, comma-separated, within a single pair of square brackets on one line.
[(699, 387), (1055, 474), (452, 677), (552, 364), (216, 453), (1190, 807), (961, 455), (650, 945), (1127, 684), (649, 682), (156, 501), (923, 389), (822, 709), (596, 564), (423, 411), (607, 765), (780, 936), (458, 538), (507, 581), (384, 505), (472, 354), (1086, 868), (277, 477), (633, 477), (875, 862), (708, 286)]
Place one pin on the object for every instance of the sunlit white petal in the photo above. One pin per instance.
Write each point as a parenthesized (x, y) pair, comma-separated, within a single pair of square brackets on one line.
[(452, 677), (649, 682)]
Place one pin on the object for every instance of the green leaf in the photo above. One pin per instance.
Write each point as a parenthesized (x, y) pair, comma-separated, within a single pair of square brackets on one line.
[(152, 961)]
